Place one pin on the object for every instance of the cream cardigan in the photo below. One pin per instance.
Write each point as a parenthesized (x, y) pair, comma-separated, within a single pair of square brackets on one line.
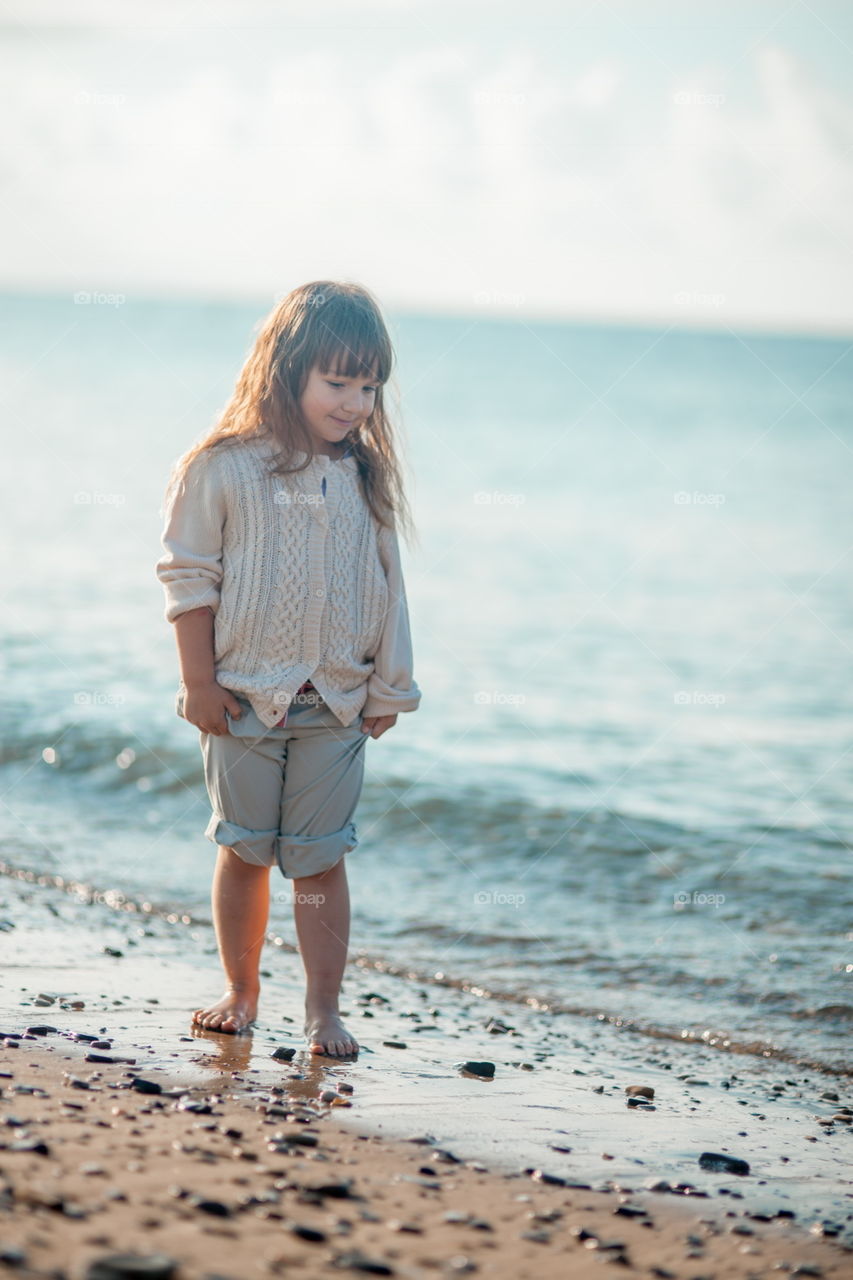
[(303, 581)]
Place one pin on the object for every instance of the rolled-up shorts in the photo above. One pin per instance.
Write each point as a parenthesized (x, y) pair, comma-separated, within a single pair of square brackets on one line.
[(287, 795)]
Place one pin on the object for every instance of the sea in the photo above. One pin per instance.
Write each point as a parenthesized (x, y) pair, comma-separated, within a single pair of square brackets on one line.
[(627, 793)]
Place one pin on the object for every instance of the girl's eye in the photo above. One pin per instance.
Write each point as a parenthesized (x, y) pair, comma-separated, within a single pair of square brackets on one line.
[(338, 385)]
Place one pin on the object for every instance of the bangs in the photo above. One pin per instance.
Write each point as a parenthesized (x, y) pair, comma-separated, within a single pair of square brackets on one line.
[(350, 344)]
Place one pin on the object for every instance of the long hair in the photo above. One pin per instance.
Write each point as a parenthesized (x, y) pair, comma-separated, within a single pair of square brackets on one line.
[(338, 327)]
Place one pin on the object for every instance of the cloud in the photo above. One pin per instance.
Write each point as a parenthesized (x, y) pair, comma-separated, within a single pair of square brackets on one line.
[(437, 167)]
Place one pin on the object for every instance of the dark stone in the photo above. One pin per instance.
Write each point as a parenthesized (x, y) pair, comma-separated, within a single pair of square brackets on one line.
[(283, 1054), (132, 1266), (214, 1207), (357, 1261), (112, 951), (552, 1179), (295, 1139), (485, 1070), (41, 1031), (145, 1086), (336, 1190), (31, 1145), (719, 1163), (308, 1233)]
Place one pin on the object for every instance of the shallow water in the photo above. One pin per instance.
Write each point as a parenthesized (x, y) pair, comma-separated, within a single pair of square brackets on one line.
[(557, 1100), (627, 790)]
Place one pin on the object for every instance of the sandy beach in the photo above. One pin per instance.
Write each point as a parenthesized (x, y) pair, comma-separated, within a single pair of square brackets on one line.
[(223, 1156)]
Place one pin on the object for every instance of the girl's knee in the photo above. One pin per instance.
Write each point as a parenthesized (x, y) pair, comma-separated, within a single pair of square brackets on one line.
[(232, 859)]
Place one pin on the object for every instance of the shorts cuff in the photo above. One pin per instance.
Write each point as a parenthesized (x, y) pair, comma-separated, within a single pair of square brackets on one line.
[(252, 846), (310, 855)]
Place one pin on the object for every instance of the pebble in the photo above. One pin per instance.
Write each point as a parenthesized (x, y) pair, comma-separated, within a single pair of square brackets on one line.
[(145, 1086), (719, 1163), (305, 1232), (214, 1207), (639, 1091), (552, 1179), (31, 1145), (131, 1266), (358, 1261), (283, 1054), (485, 1070)]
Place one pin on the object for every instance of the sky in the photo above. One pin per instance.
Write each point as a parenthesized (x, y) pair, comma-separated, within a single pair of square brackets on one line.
[(624, 161)]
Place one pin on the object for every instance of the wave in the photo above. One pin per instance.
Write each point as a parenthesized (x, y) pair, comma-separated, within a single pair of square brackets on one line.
[(117, 900)]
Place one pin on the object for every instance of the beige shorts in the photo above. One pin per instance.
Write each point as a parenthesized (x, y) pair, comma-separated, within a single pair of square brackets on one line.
[(285, 795)]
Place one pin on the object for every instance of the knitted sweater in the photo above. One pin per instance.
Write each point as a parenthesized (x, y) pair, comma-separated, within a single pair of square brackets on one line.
[(303, 581)]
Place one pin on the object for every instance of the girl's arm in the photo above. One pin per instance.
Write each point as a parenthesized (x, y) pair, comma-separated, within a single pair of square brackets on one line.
[(391, 685), (191, 567), (191, 573), (194, 637)]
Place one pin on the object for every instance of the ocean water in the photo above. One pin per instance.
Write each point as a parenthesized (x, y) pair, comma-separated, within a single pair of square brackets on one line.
[(627, 791)]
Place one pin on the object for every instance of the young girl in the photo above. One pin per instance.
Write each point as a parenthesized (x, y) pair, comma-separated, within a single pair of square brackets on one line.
[(283, 579)]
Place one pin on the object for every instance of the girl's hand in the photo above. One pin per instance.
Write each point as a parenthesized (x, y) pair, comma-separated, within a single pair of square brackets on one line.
[(205, 706), (376, 725)]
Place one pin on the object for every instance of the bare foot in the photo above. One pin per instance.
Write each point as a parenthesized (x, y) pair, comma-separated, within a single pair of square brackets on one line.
[(235, 1012), (327, 1034)]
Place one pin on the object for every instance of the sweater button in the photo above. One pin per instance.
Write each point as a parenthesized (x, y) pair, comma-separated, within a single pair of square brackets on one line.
[(320, 593)]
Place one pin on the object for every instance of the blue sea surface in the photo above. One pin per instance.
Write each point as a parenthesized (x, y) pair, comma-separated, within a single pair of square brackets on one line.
[(627, 791)]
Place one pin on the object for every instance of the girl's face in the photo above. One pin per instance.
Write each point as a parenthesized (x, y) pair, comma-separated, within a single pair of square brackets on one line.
[(334, 405)]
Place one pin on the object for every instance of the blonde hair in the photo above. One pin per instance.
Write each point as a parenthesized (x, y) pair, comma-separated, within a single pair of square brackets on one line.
[(334, 326)]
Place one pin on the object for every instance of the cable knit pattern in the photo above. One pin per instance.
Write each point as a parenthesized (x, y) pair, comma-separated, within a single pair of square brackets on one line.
[(304, 584)]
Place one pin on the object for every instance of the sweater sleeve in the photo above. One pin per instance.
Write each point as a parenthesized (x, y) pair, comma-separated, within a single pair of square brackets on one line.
[(191, 567), (391, 686)]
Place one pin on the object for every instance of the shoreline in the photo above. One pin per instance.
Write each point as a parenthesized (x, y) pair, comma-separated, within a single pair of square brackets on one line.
[(557, 1102), (120, 902), (265, 1182)]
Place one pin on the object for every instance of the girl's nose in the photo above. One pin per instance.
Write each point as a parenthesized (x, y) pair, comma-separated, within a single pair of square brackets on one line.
[(356, 404)]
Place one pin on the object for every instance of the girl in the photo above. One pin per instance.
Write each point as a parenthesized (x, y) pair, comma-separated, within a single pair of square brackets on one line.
[(282, 575)]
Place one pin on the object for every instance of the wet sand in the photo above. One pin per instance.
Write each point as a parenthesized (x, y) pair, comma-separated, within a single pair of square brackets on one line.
[(245, 1164)]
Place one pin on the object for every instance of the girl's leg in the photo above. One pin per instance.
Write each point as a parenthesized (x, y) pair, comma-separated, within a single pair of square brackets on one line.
[(241, 902), (321, 912)]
